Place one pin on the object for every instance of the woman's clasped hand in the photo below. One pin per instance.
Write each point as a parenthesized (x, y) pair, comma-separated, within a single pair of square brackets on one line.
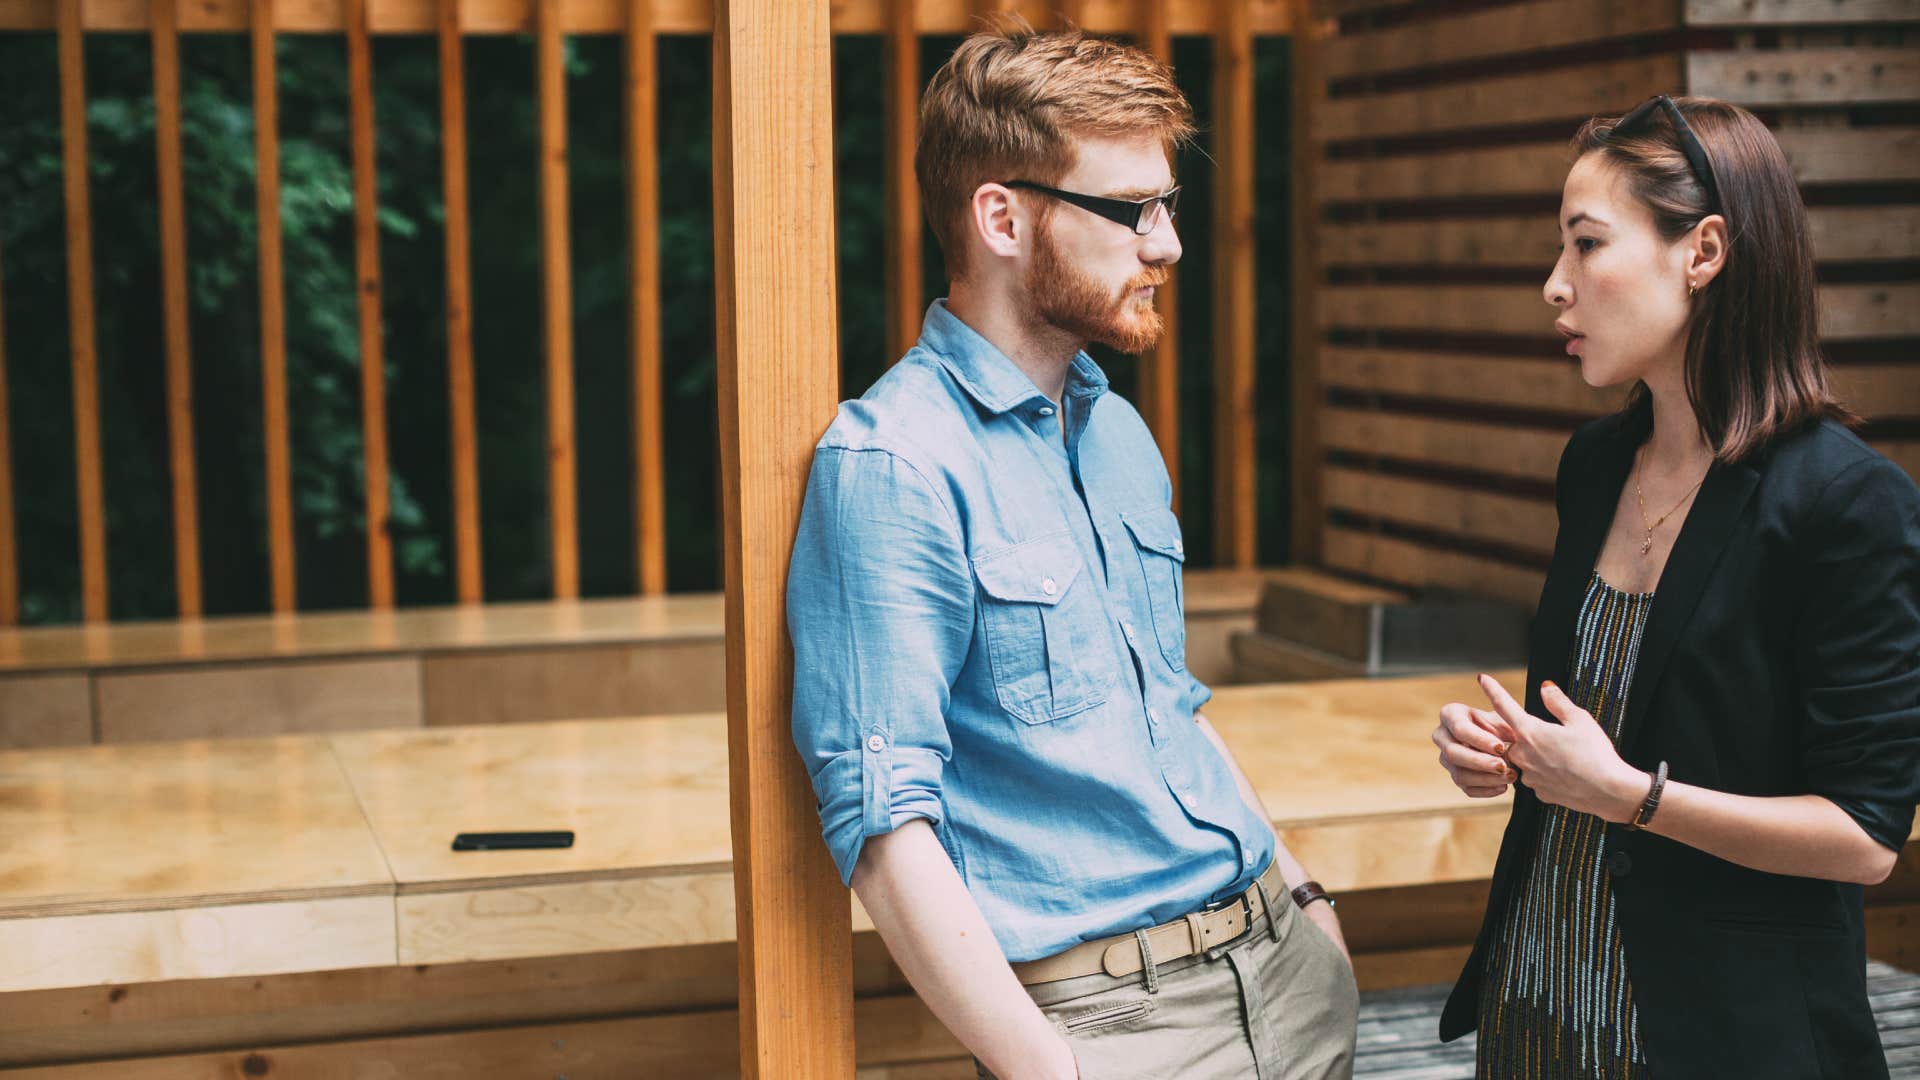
[(1572, 763)]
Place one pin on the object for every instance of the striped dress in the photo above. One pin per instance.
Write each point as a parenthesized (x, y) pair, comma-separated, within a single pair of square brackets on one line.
[(1556, 1001)]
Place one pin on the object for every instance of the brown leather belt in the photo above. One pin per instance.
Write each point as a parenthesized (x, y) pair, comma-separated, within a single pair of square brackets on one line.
[(1119, 955)]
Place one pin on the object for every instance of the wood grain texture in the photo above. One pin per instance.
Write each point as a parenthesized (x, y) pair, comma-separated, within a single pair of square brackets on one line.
[(254, 700), (1404, 562), (1159, 387), (174, 301), (1841, 76), (901, 191), (1569, 93), (574, 682), (273, 311), (85, 359), (1186, 17), (45, 710), (1306, 499), (1480, 445), (1839, 155), (1499, 31), (556, 277), (1527, 169), (778, 357), (366, 250), (460, 408), (643, 219), (1478, 515), (1847, 312), (1235, 494), (1514, 382), (1794, 12)]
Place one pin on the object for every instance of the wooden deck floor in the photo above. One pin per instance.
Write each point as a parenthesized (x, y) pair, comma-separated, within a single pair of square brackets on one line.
[(1397, 1040)]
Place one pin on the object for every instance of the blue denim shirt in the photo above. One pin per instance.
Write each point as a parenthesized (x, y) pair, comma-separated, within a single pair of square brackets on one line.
[(988, 633)]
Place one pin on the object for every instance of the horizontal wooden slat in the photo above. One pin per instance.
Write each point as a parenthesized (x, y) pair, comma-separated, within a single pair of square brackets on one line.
[(1531, 169), (1527, 453), (1185, 17), (1794, 12), (1513, 99), (1840, 234), (1847, 312), (1416, 565), (1508, 381), (1880, 391), (1848, 76), (1507, 28), (1846, 155), (1481, 515)]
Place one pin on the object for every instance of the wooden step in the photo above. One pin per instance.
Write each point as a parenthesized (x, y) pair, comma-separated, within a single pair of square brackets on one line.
[(1323, 626)]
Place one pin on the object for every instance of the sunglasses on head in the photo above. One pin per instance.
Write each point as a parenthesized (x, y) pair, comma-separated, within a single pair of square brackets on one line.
[(1690, 147)]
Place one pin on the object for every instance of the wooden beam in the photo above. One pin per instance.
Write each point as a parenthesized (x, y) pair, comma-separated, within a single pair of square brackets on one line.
[(1879, 391), (643, 222), (80, 317), (273, 307), (1795, 12), (557, 279), (679, 17), (1511, 382), (1236, 497), (1480, 515), (1404, 562), (1524, 241), (1160, 367), (778, 356), (1478, 445), (9, 555), (1841, 76), (1569, 94), (463, 429), (904, 288), (1498, 31), (373, 383), (1531, 169), (1853, 312), (1851, 155), (1847, 312), (1865, 233), (1309, 94), (174, 298)]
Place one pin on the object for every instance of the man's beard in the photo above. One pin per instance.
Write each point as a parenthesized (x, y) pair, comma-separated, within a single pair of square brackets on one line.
[(1067, 299)]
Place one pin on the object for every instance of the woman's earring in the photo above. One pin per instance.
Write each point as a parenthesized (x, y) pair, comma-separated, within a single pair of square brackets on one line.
[(1691, 289)]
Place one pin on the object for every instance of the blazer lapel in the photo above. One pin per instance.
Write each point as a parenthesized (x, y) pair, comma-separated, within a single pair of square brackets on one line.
[(1595, 490), (1703, 535)]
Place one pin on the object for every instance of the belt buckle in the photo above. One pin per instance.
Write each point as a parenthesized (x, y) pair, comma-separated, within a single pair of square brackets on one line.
[(1246, 908)]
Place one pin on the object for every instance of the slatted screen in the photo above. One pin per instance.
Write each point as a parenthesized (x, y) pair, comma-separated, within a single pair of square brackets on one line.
[(1439, 149)]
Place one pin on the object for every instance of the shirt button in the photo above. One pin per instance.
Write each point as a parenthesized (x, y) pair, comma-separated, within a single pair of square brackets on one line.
[(876, 744), (1152, 717), (1619, 864), (1246, 856), (1046, 410), (1177, 549), (1049, 586)]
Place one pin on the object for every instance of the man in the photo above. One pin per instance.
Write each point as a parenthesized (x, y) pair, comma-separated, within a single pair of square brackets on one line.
[(990, 684)]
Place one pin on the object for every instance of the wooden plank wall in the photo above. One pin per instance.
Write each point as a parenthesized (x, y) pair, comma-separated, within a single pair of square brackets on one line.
[(1438, 155)]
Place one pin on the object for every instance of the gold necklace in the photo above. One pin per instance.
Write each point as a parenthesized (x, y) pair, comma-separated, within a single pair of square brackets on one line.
[(1646, 546)]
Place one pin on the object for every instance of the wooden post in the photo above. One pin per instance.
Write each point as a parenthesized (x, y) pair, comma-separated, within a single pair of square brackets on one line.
[(1235, 496), (1308, 502), (462, 425), (273, 306), (643, 221), (779, 364), (173, 286), (557, 280), (1160, 368), (366, 228), (9, 561), (902, 105), (80, 316)]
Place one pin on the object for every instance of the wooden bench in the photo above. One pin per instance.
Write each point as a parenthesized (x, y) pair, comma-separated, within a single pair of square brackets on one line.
[(427, 667), (191, 903)]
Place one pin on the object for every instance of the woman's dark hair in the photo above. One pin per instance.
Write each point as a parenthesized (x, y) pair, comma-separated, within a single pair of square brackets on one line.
[(1753, 367)]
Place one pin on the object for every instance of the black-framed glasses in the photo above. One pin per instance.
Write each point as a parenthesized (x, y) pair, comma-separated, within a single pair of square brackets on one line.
[(1138, 215), (1695, 153)]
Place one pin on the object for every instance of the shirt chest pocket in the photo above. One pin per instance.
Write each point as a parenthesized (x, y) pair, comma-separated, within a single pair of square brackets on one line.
[(1156, 538), (1042, 623)]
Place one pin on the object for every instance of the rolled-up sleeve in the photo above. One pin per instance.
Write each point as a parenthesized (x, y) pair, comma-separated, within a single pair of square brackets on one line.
[(880, 610), (1857, 649)]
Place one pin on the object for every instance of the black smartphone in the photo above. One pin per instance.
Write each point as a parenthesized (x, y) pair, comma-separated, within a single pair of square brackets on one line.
[(504, 841)]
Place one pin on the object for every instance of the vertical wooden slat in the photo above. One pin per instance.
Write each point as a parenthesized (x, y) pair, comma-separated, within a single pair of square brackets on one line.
[(1235, 496), (373, 383), (1160, 367), (557, 276), (9, 559), (1308, 502), (778, 356), (643, 218), (173, 288), (273, 309), (902, 106), (453, 185), (80, 316)]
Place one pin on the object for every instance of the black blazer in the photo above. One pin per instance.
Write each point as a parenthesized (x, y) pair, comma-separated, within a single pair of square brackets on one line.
[(1781, 657)]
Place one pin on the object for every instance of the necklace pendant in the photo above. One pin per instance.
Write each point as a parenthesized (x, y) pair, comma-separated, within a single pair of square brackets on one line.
[(1647, 544)]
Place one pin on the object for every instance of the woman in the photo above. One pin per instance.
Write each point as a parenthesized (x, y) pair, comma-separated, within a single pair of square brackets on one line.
[(1721, 738)]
